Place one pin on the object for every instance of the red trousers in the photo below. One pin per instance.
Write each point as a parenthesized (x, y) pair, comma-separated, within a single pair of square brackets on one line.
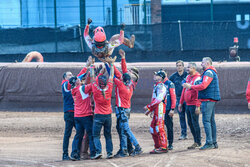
[(157, 127)]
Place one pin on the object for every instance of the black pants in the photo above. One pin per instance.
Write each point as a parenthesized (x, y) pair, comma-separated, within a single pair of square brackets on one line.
[(69, 124), (169, 124)]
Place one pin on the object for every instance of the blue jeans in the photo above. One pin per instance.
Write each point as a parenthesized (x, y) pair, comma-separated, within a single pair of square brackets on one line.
[(207, 109), (193, 122), (169, 124), (118, 128), (69, 124), (101, 120), (182, 117), (82, 124), (123, 115)]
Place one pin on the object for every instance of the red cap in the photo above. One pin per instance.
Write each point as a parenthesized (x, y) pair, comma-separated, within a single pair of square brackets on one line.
[(100, 35), (236, 40)]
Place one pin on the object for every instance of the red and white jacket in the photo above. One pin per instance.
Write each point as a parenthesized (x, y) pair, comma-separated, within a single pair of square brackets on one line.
[(158, 96), (82, 102), (123, 93), (190, 96), (102, 104)]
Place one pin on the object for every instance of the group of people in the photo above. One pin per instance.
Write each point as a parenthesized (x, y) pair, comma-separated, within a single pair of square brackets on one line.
[(87, 106), (87, 102), (186, 91)]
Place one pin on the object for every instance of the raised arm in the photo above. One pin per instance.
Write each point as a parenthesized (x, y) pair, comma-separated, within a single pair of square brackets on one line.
[(111, 76), (123, 61), (87, 38), (84, 69), (111, 61), (92, 71)]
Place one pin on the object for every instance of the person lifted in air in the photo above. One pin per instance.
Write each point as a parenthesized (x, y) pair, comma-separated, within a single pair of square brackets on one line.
[(101, 48)]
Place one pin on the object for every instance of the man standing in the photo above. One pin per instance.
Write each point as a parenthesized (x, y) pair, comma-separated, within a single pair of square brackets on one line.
[(102, 92), (170, 106), (209, 94), (83, 111), (68, 108), (158, 107), (123, 92), (190, 96), (177, 78)]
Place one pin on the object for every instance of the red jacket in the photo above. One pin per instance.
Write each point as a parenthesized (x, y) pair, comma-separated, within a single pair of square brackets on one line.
[(123, 93), (248, 92), (190, 96), (82, 102)]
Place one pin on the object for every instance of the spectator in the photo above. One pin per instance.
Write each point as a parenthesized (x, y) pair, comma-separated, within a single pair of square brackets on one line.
[(190, 96), (68, 108), (170, 106), (177, 78), (209, 94)]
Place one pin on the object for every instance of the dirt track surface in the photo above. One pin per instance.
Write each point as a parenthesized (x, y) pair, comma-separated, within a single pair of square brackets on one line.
[(35, 139)]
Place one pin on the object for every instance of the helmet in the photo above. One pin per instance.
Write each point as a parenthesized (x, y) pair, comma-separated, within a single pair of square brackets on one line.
[(126, 79), (72, 81), (100, 35), (161, 73), (102, 81)]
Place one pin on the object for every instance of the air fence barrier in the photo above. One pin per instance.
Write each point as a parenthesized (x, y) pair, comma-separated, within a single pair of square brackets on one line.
[(37, 86)]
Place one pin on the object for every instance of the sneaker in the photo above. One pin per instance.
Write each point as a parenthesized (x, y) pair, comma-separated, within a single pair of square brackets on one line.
[(109, 156), (121, 154), (137, 151), (161, 150), (215, 145), (153, 152), (75, 157), (65, 157), (207, 147), (170, 147), (182, 137), (194, 146), (84, 156), (130, 152), (97, 156)]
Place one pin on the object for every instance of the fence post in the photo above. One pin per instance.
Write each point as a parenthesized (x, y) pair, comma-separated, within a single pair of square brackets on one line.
[(212, 10), (55, 22), (180, 32), (145, 12), (114, 12), (82, 13)]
